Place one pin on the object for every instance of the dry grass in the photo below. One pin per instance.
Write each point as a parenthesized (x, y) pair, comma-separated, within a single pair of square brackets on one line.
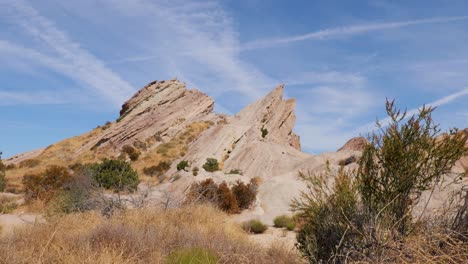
[(169, 151), (136, 236)]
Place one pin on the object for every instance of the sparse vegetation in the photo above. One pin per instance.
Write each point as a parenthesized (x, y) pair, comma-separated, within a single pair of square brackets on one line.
[(158, 170), (284, 221), (182, 165), (132, 153), (211, 165), (254, 226), (264, 132), (195, 171), (367, 215), (235, 171), (7, 204), (29, 163)]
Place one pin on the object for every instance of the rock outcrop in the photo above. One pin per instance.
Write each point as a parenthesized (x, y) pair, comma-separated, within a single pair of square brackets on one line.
[(355, 144), (159, 111)]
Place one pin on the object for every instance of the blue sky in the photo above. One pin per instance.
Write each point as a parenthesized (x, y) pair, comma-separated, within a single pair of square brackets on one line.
[(67, 66)]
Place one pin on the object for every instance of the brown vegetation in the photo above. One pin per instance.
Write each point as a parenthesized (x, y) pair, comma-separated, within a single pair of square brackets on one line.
[(231, 200), (137, 236)]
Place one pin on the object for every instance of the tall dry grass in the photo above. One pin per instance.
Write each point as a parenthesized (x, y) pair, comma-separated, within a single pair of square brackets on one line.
[(136, 236)]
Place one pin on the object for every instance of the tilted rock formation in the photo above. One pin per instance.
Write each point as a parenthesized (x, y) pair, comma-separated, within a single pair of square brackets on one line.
[(259, 140), (355, 144), (160, 110)]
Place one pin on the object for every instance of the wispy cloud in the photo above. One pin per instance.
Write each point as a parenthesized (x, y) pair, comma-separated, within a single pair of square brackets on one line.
[(29, 98), (346, 30), (439, 102), (197, 40), (66, 55)]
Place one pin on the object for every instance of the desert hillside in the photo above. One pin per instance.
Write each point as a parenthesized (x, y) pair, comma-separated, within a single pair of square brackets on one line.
[(175, 143)]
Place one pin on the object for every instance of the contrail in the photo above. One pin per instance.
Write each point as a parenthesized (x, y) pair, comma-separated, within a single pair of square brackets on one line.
[(347, 30)]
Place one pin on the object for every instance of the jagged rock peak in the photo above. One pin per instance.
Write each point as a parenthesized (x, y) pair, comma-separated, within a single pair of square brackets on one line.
[(355, 144), (274, 114)]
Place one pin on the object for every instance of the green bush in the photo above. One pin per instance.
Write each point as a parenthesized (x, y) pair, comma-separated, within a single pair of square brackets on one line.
[(284, 221), (117, 175), (254, 226), (192, 256), (211, 165), (264, 132), (363, 212), (182, 165), (403, 160), (291, 226), (131, 152), (235, 171)]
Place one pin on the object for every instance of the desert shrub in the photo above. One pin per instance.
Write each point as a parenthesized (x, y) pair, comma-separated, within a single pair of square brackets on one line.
[(131, 152), (235, 171), (203, 192), (364, 212), (158, 170), (226, 199), (264, 132), (29, 163), (7, 204), (79, 194), (291, 226), (284, 221), (328, 212), (2, 176), (403, 160), (117, 175), (245, 193), (254, 226), (211, 165), (44, 185), (221, 196), (195, 171), (192, 256), (182, 165)]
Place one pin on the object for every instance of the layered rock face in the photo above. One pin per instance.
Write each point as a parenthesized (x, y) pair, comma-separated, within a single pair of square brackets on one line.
[(160, 110), (258, 140)]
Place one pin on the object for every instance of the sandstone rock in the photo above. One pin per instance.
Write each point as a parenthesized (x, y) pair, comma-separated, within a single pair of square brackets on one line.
[(355, 144), (160, 109)]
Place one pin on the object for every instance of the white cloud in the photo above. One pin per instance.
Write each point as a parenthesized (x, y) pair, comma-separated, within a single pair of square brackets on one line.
[(347, 30), (439, 102), (197, 40), (65, 55)]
